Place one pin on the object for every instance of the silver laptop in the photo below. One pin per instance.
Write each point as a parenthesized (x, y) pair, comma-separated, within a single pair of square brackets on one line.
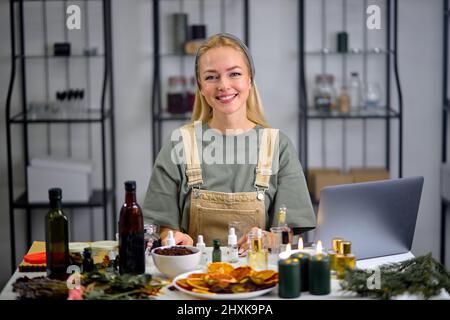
[(379, 218)]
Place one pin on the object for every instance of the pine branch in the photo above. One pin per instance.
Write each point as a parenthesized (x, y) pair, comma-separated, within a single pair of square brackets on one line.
[(421, 276)]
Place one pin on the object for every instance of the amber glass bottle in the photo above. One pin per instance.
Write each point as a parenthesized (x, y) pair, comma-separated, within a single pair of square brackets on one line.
[(56, 237), (131, 234)]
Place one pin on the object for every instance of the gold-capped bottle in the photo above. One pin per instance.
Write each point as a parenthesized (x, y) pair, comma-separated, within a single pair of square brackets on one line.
[(56, 237)]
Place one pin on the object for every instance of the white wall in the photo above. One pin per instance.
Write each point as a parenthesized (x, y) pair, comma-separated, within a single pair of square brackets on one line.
[(274, 45)]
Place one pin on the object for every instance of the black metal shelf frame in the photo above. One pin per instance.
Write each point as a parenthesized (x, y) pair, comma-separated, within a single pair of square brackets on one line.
[(99, 198), (445, 114), (157, 113), (386, 113)]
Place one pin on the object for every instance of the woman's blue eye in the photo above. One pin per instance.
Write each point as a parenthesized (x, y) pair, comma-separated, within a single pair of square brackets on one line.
[(235, 74), (209, 77)]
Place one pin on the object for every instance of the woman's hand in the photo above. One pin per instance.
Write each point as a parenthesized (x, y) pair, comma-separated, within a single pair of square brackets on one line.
[(181, 238)]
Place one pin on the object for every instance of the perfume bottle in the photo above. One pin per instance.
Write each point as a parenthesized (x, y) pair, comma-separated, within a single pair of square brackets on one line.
[(344, 259), (257, 256)]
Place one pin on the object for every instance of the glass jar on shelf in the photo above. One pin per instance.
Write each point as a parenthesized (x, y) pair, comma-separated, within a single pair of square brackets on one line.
[(372, 95), (344, 100), (355, 91), (176, 95), (324, 93), (191, 94)]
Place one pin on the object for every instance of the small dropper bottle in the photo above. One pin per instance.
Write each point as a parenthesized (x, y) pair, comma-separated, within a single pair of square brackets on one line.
[(233, 256), (170, 238), (217, 253), (202, 247)]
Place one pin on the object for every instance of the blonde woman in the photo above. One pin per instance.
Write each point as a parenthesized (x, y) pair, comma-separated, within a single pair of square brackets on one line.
[(228, 164)]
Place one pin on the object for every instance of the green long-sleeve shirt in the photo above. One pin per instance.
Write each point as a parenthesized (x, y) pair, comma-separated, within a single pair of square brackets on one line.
[(168, 198)]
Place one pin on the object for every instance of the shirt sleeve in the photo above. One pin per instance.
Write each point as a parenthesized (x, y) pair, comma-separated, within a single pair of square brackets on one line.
[(292, 190), (161, 205)]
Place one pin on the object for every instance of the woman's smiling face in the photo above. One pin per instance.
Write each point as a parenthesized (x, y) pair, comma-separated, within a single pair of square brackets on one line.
[(224, 80)]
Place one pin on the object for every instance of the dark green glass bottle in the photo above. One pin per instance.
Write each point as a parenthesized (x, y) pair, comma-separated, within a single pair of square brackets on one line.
[(217, 253), (56, 237)]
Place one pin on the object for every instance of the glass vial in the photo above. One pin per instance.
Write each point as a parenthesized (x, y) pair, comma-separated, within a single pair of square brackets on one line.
[(232, 252)]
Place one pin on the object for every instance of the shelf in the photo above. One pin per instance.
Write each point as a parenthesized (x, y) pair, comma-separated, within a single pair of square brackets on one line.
[(96, 200), (445, 201), (83, 116), (176, 55), (326, 52), (173, 117), (43, 56), (378, 113), (52, 0)]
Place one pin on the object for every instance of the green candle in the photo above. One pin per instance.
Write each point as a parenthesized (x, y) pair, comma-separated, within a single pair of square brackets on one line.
[(303, 258), (319, 273), (289, 278)]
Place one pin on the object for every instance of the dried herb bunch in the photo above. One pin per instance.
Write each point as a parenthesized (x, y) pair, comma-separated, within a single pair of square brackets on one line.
[(95, 285), (106, 286), (422, 276), (40, 288)]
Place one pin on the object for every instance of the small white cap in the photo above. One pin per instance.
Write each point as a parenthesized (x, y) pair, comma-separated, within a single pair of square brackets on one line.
[(200, 243), (112, 255), (259, 233), (232, 238), (170, 239)]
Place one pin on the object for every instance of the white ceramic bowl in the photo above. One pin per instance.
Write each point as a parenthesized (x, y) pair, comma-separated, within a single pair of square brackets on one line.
[(172, 266)]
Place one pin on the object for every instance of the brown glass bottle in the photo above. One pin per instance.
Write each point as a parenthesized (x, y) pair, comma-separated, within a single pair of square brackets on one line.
[(131, 234), (56, 237)]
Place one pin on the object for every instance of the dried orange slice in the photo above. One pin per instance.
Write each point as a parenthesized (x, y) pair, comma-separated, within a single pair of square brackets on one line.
[(239, 288), (241, 272), (197, 284), (260, 277), (202, 291), (220, 267), (214, 278), (183, 283), (197, 275)]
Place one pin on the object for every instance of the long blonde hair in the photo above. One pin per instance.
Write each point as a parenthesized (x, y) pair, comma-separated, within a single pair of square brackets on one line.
[(202, 111)]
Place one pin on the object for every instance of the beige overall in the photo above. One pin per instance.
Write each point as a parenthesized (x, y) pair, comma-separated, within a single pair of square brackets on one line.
[(211, 211)]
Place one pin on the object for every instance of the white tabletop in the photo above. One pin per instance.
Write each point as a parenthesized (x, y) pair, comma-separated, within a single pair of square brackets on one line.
[(166, 294)]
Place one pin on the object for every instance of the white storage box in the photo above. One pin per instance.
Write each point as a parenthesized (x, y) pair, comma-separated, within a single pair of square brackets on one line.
[(72, 176)]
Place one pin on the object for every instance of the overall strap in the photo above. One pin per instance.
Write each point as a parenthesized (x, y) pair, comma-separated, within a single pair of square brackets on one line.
[(193, 168), (266, 150)]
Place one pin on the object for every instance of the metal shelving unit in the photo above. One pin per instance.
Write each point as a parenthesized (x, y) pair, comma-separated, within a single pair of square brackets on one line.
[(100, 198), (158, 115), (383, 113)]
